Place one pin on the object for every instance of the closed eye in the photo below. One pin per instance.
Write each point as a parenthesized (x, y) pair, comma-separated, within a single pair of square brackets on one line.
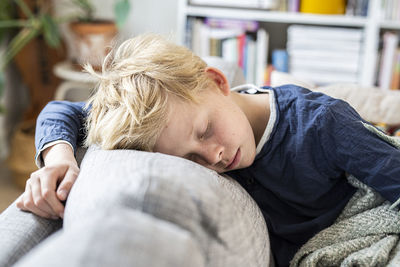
[(206, 133)]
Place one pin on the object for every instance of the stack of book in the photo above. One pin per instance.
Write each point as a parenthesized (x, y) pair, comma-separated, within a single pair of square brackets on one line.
[(390, 10), (325, 54), (237, 41), (358, 7)]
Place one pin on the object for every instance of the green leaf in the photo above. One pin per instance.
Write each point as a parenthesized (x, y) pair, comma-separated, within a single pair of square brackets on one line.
[(17, 43), (24, 8), (6, 13), (50, 31), (6, 10), (87, 8), (2, 82), (121, 9)]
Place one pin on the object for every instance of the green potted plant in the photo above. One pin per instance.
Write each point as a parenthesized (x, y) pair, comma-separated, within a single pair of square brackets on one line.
[(91, 37), (28, 28), (18, 30), (29, 36)]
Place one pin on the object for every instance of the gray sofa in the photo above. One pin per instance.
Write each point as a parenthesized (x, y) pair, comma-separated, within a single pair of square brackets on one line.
[(131, 208)]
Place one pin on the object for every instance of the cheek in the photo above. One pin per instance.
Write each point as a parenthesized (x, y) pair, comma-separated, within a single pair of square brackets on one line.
[(225, 133)]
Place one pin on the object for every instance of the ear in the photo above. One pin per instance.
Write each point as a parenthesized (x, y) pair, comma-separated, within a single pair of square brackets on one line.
[(219, 78)]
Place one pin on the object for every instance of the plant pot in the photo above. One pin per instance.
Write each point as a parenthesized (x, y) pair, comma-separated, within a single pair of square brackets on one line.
[(22, 153), (35, 63), (91, 41)]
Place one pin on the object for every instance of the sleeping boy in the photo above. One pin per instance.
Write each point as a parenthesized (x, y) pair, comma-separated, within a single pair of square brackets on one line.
[(289, 147)]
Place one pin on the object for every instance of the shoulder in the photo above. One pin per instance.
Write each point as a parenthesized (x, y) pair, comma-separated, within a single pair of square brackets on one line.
[(293, 96), (304, 109), (291, 92)]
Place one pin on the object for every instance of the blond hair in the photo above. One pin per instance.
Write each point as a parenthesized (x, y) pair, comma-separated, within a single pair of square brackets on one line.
[(130, 105)]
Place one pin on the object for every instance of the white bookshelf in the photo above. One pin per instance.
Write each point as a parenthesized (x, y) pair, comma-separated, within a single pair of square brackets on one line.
[(372, 26)]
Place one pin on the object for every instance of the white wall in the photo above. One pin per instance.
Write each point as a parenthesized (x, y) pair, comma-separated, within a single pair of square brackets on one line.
[(156, 16)]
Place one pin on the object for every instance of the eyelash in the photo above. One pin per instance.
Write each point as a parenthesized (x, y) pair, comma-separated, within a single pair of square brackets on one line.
[(205, 134)]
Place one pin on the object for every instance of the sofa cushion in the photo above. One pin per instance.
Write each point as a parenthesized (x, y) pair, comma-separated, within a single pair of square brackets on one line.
[(225, 222), (373, 104)]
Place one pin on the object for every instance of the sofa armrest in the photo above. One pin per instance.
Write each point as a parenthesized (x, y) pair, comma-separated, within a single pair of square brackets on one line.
[(146, 202), (21, 231), (220, 216), (117, 237)]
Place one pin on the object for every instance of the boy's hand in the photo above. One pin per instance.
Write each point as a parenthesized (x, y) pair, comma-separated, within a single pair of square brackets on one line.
[(59, 173)]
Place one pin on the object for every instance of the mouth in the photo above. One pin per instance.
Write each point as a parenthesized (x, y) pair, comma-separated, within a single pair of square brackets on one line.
[(235, 161)]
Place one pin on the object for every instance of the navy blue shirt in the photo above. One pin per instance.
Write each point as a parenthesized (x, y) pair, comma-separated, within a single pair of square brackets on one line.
[(298, 179)]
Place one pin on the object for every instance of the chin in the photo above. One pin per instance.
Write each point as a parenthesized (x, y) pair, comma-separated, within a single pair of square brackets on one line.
[(249, 161)]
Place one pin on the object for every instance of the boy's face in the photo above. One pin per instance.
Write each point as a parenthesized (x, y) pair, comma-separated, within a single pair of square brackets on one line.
[(214, 133)]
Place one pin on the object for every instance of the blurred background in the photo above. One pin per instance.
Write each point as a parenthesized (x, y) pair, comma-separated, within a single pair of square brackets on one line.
[(44, 42)]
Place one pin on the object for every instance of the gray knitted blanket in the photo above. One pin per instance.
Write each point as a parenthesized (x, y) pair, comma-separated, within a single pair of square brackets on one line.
[(365, 234)]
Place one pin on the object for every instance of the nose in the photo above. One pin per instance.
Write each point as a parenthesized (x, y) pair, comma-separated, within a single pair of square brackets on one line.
[(212, 153)]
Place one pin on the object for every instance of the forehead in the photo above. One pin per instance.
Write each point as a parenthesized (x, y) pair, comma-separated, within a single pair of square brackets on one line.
[(179, 125), (185, 118)]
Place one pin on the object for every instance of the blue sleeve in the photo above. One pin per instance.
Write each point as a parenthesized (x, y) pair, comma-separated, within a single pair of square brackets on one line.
[(61, 120), (350, 146)]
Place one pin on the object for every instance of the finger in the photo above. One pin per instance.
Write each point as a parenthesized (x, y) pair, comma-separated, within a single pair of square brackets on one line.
[(65, 186), (20, 202), (25, 199), (28, 204), (38, 199), (48, 187)]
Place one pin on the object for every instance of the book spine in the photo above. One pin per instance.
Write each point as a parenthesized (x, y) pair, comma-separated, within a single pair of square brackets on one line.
[(241, 49), (280, 60), (261, 56), (395, 83), (390, 42), (244, 25)]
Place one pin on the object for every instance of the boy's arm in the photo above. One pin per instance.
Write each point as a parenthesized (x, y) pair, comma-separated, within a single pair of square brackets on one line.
[(59, 121), (361, 152), (59, 130)]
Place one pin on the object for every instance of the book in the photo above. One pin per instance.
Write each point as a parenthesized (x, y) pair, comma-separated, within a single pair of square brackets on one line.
[(229, 49), (395, 82), (323, 77), (324, 33), (324, 54), (243, 25), (351, 66), (293, 5), (280, 60), (262, 4), (390, 42), (261, 57), (250, 64), (236, 41), (317, 44)]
